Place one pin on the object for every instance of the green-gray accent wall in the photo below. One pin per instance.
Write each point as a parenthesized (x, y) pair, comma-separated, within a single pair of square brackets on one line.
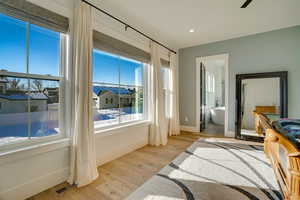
[(277, 50)]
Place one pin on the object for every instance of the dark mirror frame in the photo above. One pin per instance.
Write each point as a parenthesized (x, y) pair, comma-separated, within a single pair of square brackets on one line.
[(283, 76)]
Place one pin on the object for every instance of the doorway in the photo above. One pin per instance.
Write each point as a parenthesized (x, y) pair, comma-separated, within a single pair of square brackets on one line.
[(259, 94), (212, 94)]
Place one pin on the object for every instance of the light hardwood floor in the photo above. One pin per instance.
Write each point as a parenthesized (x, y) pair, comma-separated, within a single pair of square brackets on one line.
[(124, 175)]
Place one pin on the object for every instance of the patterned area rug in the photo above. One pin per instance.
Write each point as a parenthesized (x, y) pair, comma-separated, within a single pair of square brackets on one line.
[(214, 169)]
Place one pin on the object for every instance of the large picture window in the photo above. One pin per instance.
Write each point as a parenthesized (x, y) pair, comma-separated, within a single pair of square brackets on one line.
[(118, 89), (29, 81)]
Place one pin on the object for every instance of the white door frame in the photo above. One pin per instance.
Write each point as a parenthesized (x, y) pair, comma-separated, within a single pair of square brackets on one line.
[(203, 59)]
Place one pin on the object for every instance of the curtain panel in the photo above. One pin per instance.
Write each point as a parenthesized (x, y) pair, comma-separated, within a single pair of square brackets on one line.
[(83, 168), (158, 128), (174, 128)]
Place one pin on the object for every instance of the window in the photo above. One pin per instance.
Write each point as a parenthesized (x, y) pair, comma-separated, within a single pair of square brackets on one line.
[(119, 82), (165, 73), (29, 81), (210, 89)]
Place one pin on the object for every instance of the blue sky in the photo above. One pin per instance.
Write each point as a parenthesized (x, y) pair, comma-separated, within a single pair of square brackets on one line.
[(109, 68), (43, 48), (44, 55)]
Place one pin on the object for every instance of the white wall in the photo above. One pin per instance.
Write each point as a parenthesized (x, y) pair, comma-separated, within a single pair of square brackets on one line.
[(259, 92), (115, 143), (30, 171)]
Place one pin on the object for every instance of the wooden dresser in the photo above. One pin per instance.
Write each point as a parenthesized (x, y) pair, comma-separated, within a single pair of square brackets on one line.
[(262, 109), (285, 159)]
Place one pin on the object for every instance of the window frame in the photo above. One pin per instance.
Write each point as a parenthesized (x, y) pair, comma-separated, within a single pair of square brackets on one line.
[(100, 129), (63, 61)]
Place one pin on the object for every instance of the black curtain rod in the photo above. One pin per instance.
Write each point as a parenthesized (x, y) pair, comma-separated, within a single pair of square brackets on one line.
[(127, 25)]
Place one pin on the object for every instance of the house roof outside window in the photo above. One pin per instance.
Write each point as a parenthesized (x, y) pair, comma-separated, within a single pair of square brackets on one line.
[(115, 90), (3, 80), (24, 97)]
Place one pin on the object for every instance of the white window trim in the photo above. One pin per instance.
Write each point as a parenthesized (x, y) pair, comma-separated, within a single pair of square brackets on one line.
[(16, 145), (32, 76), (119, 126), (23, 144), (114, 130), (34, 149)]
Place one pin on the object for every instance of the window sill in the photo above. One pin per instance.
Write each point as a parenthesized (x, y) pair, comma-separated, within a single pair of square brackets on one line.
[(113, 130), (21, 153)]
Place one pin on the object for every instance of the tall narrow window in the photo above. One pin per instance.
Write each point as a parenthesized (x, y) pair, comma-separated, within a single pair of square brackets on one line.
[(165, 78), (30, 81), (210, 89), (118, 88)]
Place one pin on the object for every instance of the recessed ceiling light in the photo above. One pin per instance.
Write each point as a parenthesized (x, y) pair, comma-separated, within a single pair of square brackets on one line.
[(191, 30)]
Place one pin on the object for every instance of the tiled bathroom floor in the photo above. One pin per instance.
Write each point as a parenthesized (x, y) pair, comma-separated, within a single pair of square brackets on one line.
[(214, 129)]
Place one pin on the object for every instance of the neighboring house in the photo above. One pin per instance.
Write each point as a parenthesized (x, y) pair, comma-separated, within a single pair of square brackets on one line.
[(52, 94), (3, 86), (110, 97), (16, 101), (19, 103)]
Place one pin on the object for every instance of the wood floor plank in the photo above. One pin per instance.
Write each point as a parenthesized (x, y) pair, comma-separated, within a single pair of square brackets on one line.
[(118, 178)]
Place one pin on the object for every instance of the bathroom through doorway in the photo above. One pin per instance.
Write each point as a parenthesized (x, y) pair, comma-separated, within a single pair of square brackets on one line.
[(212, 82)]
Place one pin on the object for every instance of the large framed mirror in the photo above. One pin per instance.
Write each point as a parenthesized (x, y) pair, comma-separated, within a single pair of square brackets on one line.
[(259, 93)]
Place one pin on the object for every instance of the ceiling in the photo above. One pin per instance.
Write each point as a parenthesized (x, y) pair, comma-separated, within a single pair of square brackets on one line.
[(169, 21)]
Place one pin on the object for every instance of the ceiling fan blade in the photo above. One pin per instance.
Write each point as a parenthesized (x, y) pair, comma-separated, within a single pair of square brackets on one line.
[(246, 4)]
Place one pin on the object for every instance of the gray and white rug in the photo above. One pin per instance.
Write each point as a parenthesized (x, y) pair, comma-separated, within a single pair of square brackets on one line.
[(214, 169)]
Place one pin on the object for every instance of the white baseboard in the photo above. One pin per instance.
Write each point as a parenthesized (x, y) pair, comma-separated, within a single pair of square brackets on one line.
[(35, 186), (189, 129)]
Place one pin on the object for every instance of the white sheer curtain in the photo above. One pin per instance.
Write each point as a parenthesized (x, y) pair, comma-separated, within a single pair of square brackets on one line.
[(174, 128), (83, 157), (158, 127)]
